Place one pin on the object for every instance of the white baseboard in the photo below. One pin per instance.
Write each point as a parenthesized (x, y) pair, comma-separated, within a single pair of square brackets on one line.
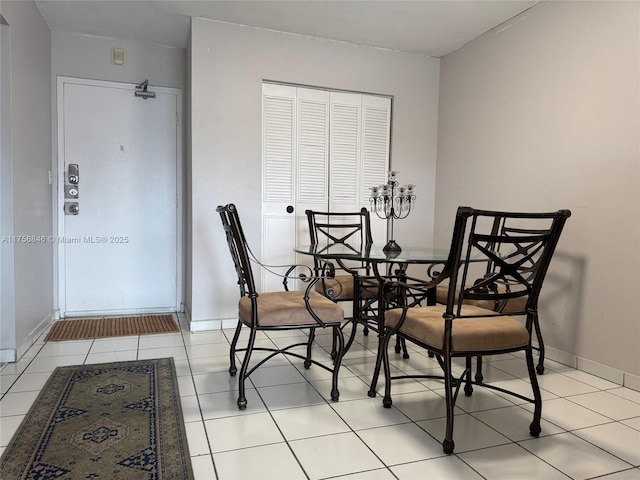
[(35, 334), (7, 355), (611, 374), (204, 325), (561, 357), (230, 323), (632, 381), (599, 370)]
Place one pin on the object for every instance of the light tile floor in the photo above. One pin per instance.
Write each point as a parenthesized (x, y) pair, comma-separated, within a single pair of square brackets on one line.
[(292, 430)]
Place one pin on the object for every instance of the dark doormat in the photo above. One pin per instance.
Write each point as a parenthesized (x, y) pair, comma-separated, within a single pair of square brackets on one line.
[(85, 328)]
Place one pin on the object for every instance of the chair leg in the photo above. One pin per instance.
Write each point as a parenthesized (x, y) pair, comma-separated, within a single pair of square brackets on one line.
[(312, 336), (479, 376), (384, 351), (398, 345), (349, 342), (536, 325), (352, 336), (383, 344), (405, 352), (333, 347), (337, 334), (232, 351), (367, 311), (468, 385), (534, 428), (401, 346), (242, 399), (448, 444)]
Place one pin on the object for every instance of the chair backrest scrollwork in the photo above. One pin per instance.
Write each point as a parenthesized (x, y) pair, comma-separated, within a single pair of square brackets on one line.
[(517, 248), (351, 229)]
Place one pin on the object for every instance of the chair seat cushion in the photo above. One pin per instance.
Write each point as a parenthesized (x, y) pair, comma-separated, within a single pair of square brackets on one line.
[(337, 288), (513, 305), (482, 334), (341, 288), (280, 309)]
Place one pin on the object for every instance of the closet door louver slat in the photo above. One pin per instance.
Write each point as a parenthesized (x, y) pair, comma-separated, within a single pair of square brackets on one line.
[(375, 149), (278, 144), (312, 151), (345, 147)]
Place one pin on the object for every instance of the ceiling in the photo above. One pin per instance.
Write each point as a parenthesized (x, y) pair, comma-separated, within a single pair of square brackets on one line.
[(432, 28)]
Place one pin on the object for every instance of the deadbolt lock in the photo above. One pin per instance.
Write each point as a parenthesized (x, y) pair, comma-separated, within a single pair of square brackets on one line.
[(71, 208), (73, 174)]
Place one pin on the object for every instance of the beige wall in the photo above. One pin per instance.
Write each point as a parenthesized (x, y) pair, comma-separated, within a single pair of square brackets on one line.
[(31, 162), (89, 56), (543, 113), (228, 64)]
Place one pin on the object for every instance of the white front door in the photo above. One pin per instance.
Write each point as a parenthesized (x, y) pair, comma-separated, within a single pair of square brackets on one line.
[(119, 250)]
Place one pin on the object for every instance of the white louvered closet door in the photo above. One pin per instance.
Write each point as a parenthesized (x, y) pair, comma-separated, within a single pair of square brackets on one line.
[(279, 164), (313, 158), (374, 160), (321, 151), (359, 153), (345, 141)]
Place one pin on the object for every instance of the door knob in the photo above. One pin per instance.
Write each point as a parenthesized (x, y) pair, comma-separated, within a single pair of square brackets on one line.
[(289, 209)]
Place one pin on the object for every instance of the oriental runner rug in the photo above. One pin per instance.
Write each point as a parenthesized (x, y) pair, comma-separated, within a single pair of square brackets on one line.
[(115, 421), (85, 328)]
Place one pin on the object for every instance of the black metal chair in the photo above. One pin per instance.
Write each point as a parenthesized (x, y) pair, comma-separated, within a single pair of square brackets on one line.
[(284, 310), (511, 306), (520, 257), (329, 228), (353, 281)]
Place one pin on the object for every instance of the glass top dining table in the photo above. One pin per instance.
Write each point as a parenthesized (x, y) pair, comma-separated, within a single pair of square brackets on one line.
[(376, 257), (375, 254)]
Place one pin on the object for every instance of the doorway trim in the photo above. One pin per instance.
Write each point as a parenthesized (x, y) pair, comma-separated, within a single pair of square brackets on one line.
[(7, 298), (59, 190)]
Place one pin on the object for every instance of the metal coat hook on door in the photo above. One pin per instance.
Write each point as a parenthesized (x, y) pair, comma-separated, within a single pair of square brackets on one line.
[(141, 91)]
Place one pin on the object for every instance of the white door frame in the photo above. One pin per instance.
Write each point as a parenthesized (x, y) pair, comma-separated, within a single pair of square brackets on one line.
[(59, 253)]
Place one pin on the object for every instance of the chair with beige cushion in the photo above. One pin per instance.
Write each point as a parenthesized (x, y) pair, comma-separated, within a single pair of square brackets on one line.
[(352, 281), (509, 306), (521, 257), (271, 311)]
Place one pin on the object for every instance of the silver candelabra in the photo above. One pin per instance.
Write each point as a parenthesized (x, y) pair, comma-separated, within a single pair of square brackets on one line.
[(392, 202)]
